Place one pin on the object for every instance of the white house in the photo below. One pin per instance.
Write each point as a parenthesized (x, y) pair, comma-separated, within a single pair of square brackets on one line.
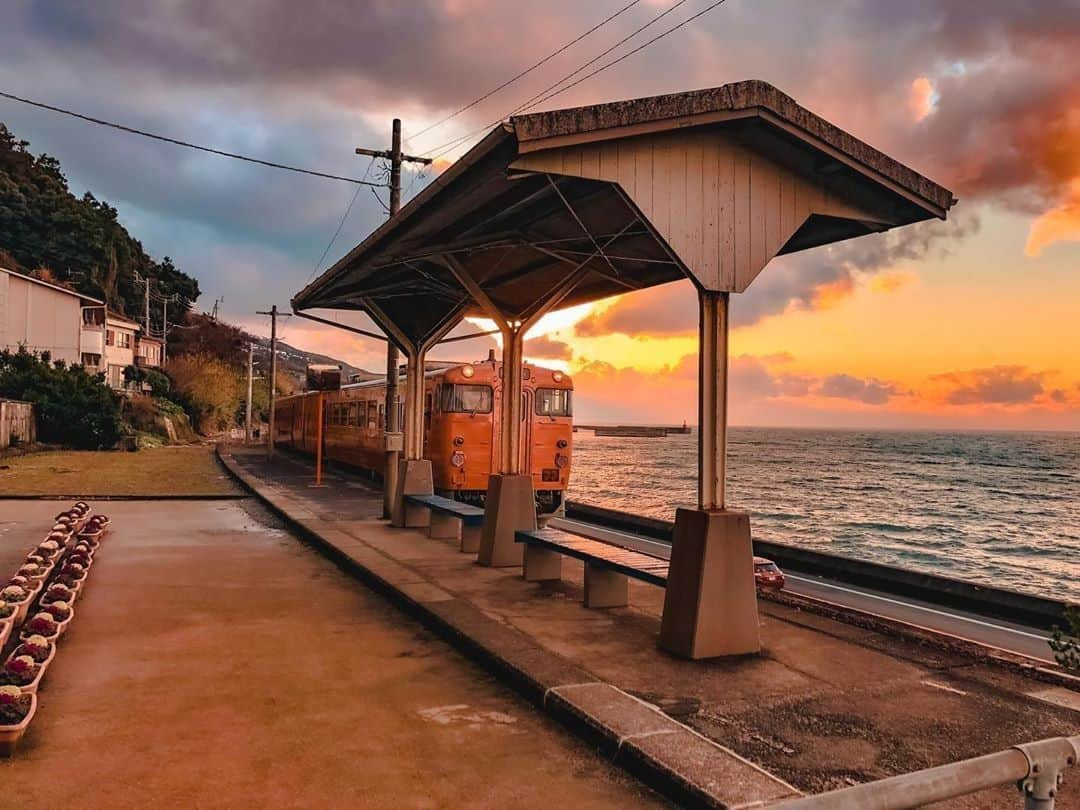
[(147, 352), (41, 316), (119, 347)]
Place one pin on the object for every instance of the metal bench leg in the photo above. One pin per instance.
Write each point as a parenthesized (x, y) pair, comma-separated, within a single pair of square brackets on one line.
[(605, 588), (417, 516), (444, 527), (470, 539), (541, 564)]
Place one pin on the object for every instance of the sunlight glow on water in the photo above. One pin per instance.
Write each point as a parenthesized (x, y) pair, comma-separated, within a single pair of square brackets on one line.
[(997, 508)]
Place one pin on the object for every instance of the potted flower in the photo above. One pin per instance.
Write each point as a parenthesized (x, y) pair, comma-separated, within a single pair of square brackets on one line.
[(16, 711), (82, 547), (18, 597), (34, 573), (61, 612), (76, 571), (23, 672), (7, 622), (37, 647), (42, 624), (78, 557), (57, 592)]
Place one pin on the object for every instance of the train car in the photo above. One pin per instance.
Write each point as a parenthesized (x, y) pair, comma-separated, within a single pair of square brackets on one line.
[(461, 428)]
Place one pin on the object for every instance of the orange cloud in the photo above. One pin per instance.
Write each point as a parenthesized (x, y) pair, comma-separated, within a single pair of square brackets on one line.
[(921, 98), (1061, 224), (892, 281), (827, 296)]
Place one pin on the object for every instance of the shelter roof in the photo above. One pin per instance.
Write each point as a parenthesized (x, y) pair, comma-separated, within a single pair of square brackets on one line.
[(577, 191)]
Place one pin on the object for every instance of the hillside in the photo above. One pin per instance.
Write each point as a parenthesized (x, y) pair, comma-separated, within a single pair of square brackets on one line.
[(46, 230)]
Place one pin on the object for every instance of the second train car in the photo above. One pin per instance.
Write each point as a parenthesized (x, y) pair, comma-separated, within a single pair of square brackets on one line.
[(461, 428)]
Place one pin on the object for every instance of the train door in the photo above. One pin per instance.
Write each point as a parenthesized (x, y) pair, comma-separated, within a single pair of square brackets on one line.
[(525, 428)]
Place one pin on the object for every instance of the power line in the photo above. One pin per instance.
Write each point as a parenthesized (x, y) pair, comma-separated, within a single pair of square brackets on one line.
[(525, 72), (451, 144), (628, 54), (341, 224), (175, 142), (545, 95)]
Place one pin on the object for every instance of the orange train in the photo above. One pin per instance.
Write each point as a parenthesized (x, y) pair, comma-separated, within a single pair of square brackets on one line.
[(461, 428)]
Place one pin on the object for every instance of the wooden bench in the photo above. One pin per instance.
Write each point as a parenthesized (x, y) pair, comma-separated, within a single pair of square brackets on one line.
[(608, 568), (452, 519)]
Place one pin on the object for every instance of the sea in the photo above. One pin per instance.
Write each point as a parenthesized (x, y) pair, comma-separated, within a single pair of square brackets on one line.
[(996, 508)]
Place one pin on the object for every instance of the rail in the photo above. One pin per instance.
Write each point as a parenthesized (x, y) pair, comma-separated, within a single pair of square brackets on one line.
[(1037, 769)]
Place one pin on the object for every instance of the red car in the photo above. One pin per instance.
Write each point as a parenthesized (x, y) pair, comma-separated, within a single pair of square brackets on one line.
[(767, 576)]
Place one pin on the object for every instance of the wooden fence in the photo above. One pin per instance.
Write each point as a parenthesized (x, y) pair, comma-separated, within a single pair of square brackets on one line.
[(16, 423)]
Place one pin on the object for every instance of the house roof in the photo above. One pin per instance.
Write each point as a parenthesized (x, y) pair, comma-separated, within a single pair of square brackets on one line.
[(123, 320), (56, 287)]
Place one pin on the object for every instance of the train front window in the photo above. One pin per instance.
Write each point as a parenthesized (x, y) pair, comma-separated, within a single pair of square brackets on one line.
[(554, 402), (465, 398)]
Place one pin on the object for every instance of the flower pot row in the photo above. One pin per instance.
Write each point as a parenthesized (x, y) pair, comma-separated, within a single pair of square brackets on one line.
[(36, 608)]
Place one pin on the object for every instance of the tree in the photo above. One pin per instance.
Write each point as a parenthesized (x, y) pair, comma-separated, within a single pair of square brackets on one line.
[(1065, 643), (208, 388), (73, 408), (81, 241)]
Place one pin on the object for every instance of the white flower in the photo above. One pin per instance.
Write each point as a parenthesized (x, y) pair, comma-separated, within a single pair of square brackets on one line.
[(44, 617), (60, 605), (74, 566), (13, 591), (12, 692), (26, 659), (51, 545), (37, 641)]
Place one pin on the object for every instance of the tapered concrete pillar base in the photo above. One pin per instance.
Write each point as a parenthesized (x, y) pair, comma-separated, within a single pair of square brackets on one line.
[(541, 565), (710, 604), (510, 505), (470, 539), (414, 478)]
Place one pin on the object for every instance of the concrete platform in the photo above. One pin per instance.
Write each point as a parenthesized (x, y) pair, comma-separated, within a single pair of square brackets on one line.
[(216, 662), (825, 705)]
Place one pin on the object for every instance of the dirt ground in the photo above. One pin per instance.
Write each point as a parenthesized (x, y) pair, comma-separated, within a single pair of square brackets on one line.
[(215, 661), (174, 470)]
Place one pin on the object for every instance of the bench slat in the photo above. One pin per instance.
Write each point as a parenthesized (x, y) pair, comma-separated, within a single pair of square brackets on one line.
[(633, 564)]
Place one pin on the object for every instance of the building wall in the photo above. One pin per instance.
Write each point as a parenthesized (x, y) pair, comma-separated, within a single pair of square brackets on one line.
[(120, 354), (41, 318)]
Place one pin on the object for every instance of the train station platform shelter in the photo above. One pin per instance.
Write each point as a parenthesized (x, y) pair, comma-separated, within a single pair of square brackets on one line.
[(560, 208)]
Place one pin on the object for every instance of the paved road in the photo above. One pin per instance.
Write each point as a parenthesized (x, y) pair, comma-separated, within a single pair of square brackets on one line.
[(216, 661), (1004, 635)]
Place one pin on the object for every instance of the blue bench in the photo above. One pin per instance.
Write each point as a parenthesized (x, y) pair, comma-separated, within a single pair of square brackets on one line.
[(451, 519), (608, 568)]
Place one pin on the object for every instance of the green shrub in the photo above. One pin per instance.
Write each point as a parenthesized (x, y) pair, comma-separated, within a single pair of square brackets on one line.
[(72, 407), (1065, 642)]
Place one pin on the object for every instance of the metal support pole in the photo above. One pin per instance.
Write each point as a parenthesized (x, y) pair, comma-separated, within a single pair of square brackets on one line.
[(414, 405), (273, 313), (510, 427), (251, 377), (712, 398), (320, 413)]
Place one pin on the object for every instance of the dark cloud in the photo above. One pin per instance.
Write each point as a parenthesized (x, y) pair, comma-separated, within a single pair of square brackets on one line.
[(869, 391), (305, 84), (547, 348), (999, 385)]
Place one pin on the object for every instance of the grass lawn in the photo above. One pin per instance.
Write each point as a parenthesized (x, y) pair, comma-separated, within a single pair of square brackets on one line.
[(183, 470)]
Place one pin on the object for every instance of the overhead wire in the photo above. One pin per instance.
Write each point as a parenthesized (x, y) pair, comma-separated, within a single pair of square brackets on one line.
[(176, 142), (527, 70), (341, 224), (443, 148)]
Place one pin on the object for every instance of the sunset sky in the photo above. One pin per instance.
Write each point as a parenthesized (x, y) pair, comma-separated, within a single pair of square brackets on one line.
[(972, 323)]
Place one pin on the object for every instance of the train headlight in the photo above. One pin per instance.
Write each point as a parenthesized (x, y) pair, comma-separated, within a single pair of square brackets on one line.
[(561, 460), (557, 376), (458, 459), (561, 443), (458, 441), (467, 371)]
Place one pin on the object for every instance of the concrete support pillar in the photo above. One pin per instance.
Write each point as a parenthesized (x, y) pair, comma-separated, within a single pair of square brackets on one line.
[(511, 503), (414, 471), (470, 539), (444, 527), (541, 565), (710, 603), (605, 588)]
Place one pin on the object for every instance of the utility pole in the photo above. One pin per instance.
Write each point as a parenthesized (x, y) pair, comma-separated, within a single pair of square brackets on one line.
[(273, 313), (146, 321), (390, 422), (251, 376), (164, 321)]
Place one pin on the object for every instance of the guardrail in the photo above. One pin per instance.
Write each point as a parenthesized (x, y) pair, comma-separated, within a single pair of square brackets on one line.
[(1037, 768), (997, 603)]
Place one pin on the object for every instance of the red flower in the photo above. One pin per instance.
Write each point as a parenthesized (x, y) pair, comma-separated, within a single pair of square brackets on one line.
[(17, 666)]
